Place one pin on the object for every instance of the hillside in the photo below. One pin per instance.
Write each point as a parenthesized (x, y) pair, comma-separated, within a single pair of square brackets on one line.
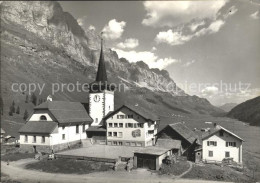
[(43, 45), (228, 106), (248, 111)]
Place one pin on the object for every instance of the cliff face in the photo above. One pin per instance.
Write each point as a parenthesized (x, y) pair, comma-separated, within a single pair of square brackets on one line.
[(60, 30), (43, 45)]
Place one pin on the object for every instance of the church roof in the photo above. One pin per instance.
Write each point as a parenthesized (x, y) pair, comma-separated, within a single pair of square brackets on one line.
[(43, 127), (101, 72), (66, 112)]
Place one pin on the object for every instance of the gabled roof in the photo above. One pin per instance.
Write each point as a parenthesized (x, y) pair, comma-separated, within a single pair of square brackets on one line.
[(96, 129), (168, 143), (152, 150), (148, 115), (43, 127), (216, 130), (66, 112), (183, 130)]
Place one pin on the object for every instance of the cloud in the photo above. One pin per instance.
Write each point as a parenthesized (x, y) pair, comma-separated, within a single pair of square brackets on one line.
[(210, 90), (163, 63), (172, 38), (128, 43), (231, 11), (212, 28), (154, 48), (149, 58), (83, 22), (172, 13), (187, 64), (92, 27), (195, 25), (255, 15), (114, 29)]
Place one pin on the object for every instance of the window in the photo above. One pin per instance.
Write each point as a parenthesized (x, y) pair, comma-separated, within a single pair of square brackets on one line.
[(83, 128), (232, 144), (115, 134), (43, 139), (120, 134), (26, 138), (130, 125), (115, 143), (138, 144), (132, 143), (140, 125), (110, 124), (210, 153), (109, 134), (43, 118), (115, 125), (120, 116), (77, 128), (130, 116), (221, 133), (227, 154), (120, 143), (96, 120), (127, 143), (63, 136), (211, 143), (34, 139), (121, 125)]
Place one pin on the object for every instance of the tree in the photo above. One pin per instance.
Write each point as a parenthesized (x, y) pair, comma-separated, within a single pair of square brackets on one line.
[(2, 105), (13, 107), (26, 98), (11, 111), (25, 115), (34, 99), (18, 110)]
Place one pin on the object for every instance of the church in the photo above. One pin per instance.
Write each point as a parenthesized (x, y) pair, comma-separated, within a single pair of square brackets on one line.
[(58, 125)]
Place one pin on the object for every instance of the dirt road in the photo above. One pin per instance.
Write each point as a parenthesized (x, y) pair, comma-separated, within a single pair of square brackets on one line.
[(17, 172)]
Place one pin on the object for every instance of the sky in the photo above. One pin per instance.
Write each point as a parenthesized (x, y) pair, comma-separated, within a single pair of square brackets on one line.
[(210, 48)]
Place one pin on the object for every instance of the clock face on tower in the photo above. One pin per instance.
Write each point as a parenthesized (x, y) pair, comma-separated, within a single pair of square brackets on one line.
[(96, 98)]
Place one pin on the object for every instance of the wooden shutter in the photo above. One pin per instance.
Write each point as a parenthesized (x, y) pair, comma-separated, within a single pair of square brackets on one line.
[(208, 143)]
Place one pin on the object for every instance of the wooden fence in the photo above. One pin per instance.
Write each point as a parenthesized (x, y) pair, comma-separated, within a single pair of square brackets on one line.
[(106, 160)]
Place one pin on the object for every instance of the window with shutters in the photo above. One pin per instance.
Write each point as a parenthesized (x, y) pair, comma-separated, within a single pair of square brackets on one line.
[(211, 143), (231, 144), (115, 125), (121, 125), (109, 134), (227, 154), (120, 134)]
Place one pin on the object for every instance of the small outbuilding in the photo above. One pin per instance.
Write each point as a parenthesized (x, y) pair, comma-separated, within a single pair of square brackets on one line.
[(150, 157)]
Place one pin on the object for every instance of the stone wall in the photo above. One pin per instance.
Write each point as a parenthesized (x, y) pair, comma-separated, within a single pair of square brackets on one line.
[(48, 149)]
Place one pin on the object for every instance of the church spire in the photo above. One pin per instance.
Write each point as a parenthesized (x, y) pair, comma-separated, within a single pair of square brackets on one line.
[(101, 72)]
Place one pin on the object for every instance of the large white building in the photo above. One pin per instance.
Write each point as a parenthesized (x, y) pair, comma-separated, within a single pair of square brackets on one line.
[(131, 126), (54, 125), (221, 143)]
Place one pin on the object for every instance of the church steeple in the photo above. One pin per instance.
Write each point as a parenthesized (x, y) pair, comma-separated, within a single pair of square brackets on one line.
[(101, 72)]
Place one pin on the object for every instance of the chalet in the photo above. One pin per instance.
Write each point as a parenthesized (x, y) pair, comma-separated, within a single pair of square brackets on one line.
[(131, 126), (179, 131), (54, 125), (220, 144)]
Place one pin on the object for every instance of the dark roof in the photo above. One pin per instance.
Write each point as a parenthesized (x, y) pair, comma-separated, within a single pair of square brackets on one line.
[(96, 129), (148, 115), (101, 72), (66, 112), (44, 127), (217, 129), (168, 143), (184, 131), (152, 150)]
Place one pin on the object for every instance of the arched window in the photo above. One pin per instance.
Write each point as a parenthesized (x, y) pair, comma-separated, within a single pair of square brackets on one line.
[(43, 118)]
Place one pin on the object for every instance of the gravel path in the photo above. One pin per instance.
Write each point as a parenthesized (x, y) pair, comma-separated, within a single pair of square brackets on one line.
[(17, 172)]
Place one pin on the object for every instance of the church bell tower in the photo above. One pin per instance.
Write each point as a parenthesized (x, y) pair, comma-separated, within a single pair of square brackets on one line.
[(101, 93)]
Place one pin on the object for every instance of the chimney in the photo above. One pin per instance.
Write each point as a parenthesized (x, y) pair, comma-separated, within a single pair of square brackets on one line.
[(49, 98)]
